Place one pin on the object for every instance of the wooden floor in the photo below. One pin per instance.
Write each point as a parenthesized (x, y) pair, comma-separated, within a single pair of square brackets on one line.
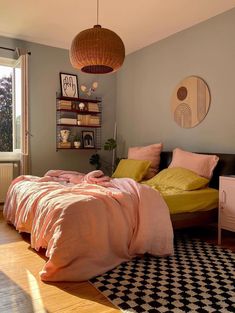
[(21, 290)]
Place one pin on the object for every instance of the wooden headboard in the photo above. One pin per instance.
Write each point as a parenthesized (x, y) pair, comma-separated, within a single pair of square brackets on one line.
[(225, 166)]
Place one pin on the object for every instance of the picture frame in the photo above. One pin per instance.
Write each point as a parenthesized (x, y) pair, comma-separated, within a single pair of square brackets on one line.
[(69, 85), (88, 139)]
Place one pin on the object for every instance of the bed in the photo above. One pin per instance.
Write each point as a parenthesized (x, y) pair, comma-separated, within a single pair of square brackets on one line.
[(225, 166), (88, 224)]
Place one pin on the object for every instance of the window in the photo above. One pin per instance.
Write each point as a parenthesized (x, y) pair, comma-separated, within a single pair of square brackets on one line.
[(10, 108)]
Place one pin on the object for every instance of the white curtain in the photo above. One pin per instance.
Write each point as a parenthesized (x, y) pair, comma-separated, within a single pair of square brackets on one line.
[(25, 160)]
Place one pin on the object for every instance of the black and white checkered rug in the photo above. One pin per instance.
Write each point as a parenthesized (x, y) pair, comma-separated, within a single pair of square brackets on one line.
[(200, 277)]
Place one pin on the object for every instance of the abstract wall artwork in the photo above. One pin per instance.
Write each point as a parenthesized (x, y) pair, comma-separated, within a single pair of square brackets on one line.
[(190, 102)]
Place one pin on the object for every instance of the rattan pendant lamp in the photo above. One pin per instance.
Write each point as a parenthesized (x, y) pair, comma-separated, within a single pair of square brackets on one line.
[(97, 50)]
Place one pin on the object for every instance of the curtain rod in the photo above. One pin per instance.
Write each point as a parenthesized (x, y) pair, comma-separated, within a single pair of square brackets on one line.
[(14, 50)]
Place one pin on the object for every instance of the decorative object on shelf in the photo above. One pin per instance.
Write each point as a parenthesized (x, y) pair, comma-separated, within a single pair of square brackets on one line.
[(77, 141), (190, 102), (88, 139), (69, 85), (64, 135), (90, 90), (81, 106), (77, 144), (97, 50)]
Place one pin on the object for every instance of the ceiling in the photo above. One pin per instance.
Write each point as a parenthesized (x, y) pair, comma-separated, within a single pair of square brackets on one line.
[(138, 22)]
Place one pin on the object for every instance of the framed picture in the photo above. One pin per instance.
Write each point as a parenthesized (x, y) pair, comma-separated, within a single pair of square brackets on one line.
[(88, 139), (69, 85)]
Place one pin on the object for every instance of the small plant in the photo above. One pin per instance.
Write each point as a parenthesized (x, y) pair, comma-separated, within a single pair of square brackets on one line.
[(76, 141), (76, 138), (110, 144), (95, 160)]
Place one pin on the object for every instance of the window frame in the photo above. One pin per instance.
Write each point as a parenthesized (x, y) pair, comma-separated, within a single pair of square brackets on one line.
[(14, 155)]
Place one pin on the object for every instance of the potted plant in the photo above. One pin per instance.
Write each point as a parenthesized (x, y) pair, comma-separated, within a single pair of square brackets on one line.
[(77, 141), (95, 160), (110, 145)]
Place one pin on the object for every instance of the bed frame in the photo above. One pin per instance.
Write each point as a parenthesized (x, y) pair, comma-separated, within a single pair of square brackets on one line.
[(225, 166)]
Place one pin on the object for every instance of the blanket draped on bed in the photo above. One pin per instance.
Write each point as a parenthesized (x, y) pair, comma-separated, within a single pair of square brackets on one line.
[(88, 228)]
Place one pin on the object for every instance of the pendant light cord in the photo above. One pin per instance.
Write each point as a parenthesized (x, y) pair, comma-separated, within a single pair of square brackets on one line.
[(97, 17)]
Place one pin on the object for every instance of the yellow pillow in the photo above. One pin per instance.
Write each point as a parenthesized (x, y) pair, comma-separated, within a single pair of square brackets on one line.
[(178, 177), (135, 169)]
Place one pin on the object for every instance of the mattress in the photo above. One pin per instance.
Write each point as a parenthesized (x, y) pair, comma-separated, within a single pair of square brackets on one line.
[(191, 201)]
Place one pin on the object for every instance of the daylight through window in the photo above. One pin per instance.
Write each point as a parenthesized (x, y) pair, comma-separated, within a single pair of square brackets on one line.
[(10, 107)]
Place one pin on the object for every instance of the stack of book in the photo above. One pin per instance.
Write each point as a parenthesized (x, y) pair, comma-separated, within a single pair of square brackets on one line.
[(64, 145), (83, 119), (64, 105), (93, 107), (94, 120), (68, 121)]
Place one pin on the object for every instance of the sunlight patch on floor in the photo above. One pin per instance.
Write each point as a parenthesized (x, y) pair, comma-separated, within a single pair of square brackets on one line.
[(35, 293)]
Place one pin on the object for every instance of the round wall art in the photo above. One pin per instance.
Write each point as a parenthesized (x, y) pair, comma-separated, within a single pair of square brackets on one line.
[(190, 102)]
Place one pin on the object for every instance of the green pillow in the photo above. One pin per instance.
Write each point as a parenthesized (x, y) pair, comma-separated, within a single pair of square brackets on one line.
[(179, 178), (135, 169)]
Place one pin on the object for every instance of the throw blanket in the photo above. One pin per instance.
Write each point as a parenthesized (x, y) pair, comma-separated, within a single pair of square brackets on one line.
[(88, 229), (94, 177)]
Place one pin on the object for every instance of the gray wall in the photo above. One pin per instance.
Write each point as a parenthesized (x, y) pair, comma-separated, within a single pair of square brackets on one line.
[(149, 76), (140, 94), (45, 63)]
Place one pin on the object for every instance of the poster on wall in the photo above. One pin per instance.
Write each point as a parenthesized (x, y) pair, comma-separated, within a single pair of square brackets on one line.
[(69, 85)]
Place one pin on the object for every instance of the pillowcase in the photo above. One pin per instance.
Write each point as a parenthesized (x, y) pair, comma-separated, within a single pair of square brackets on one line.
[(178, 177), (150, 153), (135, 169), (202, 164)]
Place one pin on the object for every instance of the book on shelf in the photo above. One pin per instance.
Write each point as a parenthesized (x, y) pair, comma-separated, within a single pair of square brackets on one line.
[(93, 107), (83, 119), (64, 104), (87, 120), (70, 121), (94, 120)]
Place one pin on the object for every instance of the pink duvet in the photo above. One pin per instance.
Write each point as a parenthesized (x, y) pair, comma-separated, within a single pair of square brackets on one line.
[(88, 229)]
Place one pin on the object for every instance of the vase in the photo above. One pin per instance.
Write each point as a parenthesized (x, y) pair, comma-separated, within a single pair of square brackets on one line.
[(64, 134), (77, 144)]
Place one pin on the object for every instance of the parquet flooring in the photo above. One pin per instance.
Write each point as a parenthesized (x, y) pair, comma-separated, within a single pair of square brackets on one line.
[(22, 291)]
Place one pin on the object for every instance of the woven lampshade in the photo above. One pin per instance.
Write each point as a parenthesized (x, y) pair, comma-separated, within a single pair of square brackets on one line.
[(97, 50)]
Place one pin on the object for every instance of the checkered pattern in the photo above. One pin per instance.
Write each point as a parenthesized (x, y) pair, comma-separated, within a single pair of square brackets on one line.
[(200, 277)]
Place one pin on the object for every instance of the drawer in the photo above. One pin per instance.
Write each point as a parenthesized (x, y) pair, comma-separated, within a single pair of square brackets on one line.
[(227, 220)]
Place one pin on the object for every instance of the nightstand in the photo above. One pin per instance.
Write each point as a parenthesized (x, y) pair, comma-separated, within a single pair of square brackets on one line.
[(226, 204)]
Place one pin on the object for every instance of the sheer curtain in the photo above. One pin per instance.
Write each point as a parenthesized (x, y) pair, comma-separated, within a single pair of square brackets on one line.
[(25, 156)]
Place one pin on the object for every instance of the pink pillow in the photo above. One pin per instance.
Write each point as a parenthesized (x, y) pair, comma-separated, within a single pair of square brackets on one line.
[(150, 153), (202, 164)]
